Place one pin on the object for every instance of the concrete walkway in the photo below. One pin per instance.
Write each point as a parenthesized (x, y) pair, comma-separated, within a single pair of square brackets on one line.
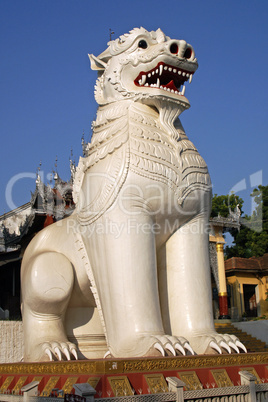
[(258, 329)]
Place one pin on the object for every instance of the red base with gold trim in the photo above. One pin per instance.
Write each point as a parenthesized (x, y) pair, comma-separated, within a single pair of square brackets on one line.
[(120, 377)]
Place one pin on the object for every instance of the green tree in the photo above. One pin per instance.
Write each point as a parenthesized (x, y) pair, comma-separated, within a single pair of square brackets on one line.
[(252, 238), (221, 204)]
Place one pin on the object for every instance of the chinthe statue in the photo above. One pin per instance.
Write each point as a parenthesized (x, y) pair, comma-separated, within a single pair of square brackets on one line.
[(128, 273)]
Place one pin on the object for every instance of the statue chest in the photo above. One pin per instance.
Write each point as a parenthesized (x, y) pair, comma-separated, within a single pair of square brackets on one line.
[(173, 160)]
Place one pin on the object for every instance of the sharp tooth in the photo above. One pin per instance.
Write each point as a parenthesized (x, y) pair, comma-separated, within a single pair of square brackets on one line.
[(140, 82), (158, 83), (149, 75), (152, 72), (174, 70), (183, 90), (143, 79), (183, 73), (179, 72), (169, 69), (156, 71), (146, 85), (165, 68), (160, 69), (168, 89), (190, 79), (187, 75), (161, 87), (172, 90)]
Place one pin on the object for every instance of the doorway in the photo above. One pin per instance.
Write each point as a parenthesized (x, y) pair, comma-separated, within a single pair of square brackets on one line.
[(250, 301)]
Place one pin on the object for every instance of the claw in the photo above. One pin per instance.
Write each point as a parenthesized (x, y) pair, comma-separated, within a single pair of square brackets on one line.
[(107, 354), (225, 346), (188, 347), (74, 352), (214, 346), (58, 352), (241, 346), (159, 347), (67, 354), (169, 347), (180, 349), (48, 352), (234, 347)]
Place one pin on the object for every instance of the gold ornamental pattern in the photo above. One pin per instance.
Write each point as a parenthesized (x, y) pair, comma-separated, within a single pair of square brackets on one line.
[(191, 380), (221, 377), (156, 383), (113, 366)]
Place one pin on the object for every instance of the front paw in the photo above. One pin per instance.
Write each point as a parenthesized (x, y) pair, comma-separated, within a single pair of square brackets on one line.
[(60, 350), (217, 344), (154, 346)]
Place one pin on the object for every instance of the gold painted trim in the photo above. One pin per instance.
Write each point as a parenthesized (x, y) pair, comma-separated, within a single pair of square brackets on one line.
[(221, 377), (52, 382), (116, 366), (6, 384), (16, 389), (156, 383), (222, 294), (120, 386), (219, 247), (191, 380)]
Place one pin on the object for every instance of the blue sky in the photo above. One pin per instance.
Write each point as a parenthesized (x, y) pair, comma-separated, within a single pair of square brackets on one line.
[(46, 84)]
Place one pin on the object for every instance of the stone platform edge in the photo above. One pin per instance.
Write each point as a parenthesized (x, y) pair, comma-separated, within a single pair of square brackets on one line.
[(137, 365)]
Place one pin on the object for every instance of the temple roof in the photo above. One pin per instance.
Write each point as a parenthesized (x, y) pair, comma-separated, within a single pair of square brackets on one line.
[(252, 265)]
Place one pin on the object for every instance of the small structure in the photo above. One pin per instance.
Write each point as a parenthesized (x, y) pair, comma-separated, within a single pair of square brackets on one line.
[(248, 282)]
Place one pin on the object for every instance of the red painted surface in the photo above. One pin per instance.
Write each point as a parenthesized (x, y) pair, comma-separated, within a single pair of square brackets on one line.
[(223, 305), (137, 380)]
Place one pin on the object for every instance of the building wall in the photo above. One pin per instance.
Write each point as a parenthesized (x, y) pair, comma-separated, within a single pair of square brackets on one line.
[(237, 281), (11, 340)]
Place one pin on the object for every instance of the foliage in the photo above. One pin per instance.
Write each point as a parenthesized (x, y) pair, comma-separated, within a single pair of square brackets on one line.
[(252, 238), (221, 204)]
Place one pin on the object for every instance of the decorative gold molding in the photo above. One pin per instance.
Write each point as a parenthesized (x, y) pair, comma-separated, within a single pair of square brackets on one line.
[(68, 386), (120, 386), (49, 386), (190, 379), (6, 384), (19, 385), (119, 366), (222, 294), (219, 247), (156, 383), (93, 381), (221, 377)]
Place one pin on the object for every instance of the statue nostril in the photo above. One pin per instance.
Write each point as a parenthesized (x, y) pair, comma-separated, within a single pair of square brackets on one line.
[(188, 53), (174, 48)]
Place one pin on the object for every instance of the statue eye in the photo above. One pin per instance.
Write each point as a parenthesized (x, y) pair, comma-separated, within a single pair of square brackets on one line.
[(143, 44)]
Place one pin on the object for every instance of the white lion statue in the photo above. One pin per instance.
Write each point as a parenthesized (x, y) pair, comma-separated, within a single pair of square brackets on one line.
[(128, 273)]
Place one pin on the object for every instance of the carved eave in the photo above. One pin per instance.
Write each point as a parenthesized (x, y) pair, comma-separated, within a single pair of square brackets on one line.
[(14, 225), (231, 222)]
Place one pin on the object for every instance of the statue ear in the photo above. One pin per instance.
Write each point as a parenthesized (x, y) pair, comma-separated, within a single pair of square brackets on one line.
[(96, 64)]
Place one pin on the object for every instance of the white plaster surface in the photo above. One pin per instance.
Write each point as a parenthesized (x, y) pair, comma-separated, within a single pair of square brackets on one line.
[(258, 329), (11, 340)]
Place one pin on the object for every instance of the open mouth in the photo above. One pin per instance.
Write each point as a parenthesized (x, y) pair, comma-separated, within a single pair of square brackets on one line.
[(166, 77)]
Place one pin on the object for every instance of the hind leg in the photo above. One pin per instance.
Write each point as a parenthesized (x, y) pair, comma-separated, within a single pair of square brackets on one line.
[(47, 283)]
